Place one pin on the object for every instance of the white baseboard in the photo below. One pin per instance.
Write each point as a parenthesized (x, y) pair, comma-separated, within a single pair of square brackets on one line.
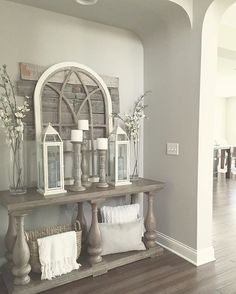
[(196, 257)]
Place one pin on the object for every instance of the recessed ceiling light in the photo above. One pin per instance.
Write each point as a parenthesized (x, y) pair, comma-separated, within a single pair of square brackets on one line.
[(87, 2)]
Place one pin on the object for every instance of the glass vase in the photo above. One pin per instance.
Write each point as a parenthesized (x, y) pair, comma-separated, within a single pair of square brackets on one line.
[(134, 160), (17, 183)]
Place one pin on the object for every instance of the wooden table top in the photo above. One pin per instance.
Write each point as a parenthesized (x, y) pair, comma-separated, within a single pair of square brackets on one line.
[(32, 199)]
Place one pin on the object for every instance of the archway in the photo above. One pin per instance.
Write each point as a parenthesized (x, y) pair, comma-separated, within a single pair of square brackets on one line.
[(205, 141)]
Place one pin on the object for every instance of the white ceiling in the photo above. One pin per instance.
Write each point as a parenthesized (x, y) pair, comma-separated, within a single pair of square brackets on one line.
[(128, 14), (134, 15), (225, 86), (229, 17)]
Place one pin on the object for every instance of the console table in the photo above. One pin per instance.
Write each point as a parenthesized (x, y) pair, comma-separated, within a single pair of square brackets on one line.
[(16, 273)]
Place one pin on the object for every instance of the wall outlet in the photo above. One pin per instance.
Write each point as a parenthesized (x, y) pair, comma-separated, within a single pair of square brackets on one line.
[(172, 149)]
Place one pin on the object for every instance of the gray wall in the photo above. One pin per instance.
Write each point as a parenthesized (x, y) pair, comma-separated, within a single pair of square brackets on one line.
[(173, 117)]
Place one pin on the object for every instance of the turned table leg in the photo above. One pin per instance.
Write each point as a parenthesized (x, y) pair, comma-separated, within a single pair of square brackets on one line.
[(21, 254), (82, 220), (150, 223), (10, 238), (94, 237)]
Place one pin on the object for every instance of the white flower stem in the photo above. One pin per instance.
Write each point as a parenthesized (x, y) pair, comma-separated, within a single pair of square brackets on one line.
[(16, 172)]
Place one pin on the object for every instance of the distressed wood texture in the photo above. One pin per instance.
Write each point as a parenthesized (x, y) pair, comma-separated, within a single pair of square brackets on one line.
[(85, 164), (102, 155), (77, 169), (92, 264), (21, 254), (150, 223), (94, 237), (170, 274), (10, 238), (81, 218), (75, 94), (32, 199), (32, 72), (109, 262)]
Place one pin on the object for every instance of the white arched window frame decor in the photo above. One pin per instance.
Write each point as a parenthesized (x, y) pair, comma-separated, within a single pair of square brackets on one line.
[(66, 70)]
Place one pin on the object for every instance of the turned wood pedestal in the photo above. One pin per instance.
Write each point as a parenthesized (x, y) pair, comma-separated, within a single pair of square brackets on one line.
[(16, 272)]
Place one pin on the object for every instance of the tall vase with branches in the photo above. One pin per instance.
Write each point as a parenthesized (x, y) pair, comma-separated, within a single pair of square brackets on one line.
[(132, 122), (12, 115)]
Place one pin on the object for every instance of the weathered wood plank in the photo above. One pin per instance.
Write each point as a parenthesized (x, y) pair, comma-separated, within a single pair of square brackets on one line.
[(33, 72), (110, 262), (32, 199), (98, 107), (26, 88), (51, 105), (50, 97), (52, 117)]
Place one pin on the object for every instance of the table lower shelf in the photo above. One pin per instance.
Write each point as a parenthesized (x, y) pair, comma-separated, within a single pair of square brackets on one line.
[(109, 262)]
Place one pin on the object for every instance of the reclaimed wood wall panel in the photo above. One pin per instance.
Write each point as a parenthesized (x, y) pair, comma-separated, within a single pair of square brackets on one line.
[(74, 93), (32, 72)]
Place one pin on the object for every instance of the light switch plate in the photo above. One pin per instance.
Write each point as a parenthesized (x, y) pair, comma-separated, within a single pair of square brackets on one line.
[(172, 149)]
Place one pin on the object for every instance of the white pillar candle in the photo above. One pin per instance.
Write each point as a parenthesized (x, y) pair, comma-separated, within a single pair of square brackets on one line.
[(68, 146), (76, 135), (102, 143), (83, 124)]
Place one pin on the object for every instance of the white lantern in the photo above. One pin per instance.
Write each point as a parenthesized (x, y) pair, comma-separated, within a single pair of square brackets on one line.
[(50, 163), (119, 158)]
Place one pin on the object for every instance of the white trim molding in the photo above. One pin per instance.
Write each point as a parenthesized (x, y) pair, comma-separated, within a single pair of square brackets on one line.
[(58, 69), (196, 257)]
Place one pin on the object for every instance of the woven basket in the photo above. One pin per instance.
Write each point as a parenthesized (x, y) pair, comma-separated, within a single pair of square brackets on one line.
[(32, 237)]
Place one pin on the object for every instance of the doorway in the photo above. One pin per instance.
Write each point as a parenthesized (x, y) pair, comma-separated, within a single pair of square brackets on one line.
[(209, 61)]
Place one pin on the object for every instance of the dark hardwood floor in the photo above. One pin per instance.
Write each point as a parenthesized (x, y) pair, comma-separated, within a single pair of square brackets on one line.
[(170, 273)]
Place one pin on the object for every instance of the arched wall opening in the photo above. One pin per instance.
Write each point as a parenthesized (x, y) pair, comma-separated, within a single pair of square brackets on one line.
[(170, 63), (208, 80), (187, 5)]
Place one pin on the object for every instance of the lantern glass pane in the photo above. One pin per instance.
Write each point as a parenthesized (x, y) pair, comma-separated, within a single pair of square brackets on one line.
[(54, 167), (112, 160), (52, 138), (121, 137), (122, 162)]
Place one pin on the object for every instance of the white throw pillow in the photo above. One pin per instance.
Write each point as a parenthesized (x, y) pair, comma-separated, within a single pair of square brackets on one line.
[(120, 214), (117, 238)]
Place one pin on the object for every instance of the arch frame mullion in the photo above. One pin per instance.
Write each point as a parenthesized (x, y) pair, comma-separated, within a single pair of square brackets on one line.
[(77, 68)]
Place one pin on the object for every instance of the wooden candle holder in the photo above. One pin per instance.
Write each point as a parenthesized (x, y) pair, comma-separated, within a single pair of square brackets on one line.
[(77, 187), (102, 154)]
